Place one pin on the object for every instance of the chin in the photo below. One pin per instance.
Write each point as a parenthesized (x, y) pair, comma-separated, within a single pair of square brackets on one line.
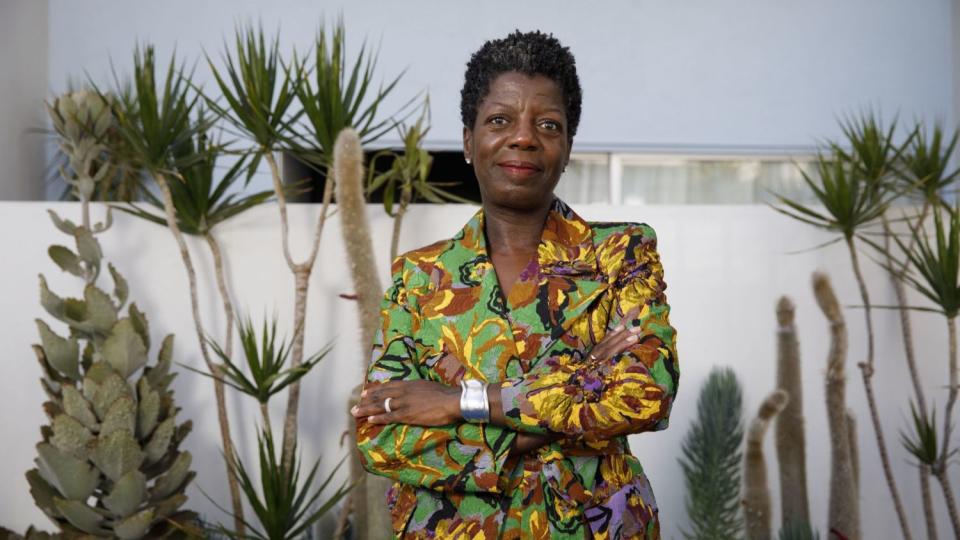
[(521, 200)]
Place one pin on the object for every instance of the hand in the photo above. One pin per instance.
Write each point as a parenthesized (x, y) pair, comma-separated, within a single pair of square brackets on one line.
[(415, 403), (615, 342), (530, 442)]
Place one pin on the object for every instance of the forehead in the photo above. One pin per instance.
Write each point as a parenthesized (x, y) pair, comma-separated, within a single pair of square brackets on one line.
[(514, 88)]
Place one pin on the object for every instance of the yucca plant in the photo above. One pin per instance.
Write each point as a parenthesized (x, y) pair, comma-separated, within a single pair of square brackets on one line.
[(259, 89), (159, 127), (337, 93), (285, 507), (266, 360), (109, 463), (260, 92), (201, 202), (855, 189), (711, 459), (925, 163), (407, 177), (200, 199), (934, 271)]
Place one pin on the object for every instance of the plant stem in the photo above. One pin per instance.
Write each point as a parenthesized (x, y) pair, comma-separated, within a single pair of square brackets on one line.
[(405, 196), (215, 369), (941, 469), (301, 274), (906, 328), (867, 369), (927, 502), (224, 292), (944, 477), (265, 413)]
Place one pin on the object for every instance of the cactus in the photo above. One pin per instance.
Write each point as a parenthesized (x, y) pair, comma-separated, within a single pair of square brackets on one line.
[(844, 513), (789, 427), (109, 463), (756, 495), (366, 502), (711, 459)]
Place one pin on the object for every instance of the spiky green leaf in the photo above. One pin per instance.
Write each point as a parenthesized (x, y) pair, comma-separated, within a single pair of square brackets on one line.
[(78, 407), (64, 225), (65, 259), (73, 478), (71, 437), (81, 516), (43, 494), (174, 479), (120, 288), (62, 354), (160, 440), (124, 349), (105, 393), (101, 314), (117, 454), (135, 526), (120, 416), (127, 494)]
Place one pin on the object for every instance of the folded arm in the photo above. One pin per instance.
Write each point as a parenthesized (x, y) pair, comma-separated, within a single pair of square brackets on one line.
[(451, 456), (612, 395)]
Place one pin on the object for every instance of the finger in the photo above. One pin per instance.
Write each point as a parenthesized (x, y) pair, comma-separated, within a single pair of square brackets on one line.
[(385, 418)]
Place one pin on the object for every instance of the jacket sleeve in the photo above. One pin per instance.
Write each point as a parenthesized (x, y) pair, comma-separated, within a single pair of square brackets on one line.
[(629, 393), (462, 457)]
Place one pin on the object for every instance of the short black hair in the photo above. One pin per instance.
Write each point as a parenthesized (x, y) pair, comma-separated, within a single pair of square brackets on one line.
[(530, 53)]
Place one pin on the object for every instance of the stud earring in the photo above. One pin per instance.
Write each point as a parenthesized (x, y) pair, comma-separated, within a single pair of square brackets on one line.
[(467, 160)]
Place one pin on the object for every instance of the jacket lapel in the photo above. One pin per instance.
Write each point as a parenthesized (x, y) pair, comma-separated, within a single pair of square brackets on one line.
[(480, 334)]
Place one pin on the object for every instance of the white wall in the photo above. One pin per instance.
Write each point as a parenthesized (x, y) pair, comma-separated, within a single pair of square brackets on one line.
[(23, 87), (694, 75), (725, 266)]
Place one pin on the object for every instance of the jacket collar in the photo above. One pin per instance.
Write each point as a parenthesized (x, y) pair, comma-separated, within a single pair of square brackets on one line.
[(566, 244)]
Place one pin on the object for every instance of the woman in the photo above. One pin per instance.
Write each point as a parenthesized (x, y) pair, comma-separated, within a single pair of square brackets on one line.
[(516, 357)]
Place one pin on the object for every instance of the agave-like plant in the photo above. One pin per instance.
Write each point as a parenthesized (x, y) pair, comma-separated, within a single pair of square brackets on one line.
[(109, 463)]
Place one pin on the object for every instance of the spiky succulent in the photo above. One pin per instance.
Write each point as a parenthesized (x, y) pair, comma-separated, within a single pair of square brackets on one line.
[(109, 464)]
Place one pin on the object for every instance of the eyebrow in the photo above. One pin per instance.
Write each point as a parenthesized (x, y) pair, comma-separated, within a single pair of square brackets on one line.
[(510, 106)]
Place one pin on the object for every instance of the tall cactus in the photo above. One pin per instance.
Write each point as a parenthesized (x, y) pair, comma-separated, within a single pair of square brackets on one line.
[(109, 463), (789, 427), (756, 495), (371, 519), (844, 513)]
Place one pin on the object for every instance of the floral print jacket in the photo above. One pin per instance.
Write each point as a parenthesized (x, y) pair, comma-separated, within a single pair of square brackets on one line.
[(445, 319)]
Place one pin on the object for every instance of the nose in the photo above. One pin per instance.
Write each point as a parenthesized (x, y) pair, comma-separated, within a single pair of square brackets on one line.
[(524, 136)]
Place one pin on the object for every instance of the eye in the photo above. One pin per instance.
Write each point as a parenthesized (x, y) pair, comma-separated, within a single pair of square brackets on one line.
[(497, 119), (552, 125)]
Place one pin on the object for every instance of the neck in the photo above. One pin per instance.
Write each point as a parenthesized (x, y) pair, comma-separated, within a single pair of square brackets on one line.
[(511, 231)]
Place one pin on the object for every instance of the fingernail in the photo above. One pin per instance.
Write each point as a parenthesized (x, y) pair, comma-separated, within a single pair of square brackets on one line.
[(632, 338), (636, 329), (363, 393), (618, 328), (353, 410)]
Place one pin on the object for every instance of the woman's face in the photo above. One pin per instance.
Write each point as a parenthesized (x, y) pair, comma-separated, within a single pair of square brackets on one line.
[(519, 143)]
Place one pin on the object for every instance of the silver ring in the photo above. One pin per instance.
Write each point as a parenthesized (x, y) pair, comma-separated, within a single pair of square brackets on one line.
[(593, 356), (386, 404)]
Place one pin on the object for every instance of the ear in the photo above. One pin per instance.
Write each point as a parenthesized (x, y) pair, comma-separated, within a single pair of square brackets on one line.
[(467, 142)]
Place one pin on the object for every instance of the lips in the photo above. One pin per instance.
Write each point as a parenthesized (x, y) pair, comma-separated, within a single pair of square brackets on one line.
[(519, 168)]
